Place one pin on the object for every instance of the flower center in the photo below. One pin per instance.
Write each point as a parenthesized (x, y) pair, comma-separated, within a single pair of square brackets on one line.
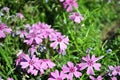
[(118, 69), (77, 14), (33, 35), (71, 2), (72, 69), (59, 78), (59, 39), (90, 62), (31, 62)]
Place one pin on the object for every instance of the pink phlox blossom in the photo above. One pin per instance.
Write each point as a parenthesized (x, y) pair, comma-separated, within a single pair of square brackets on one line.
[(57, 75), (71, 71), (115, 70), (47, 33), (76, 17), (10, 78), (20, 15), (54, 35), (33, 38), (47, 63), (90, 63), (32, 49), (30, 62), (70, 4), (43, 26), (6, 9), (4, 29), (22, 33), (60, 40), (20, 58), (98, 78), (113, 78)]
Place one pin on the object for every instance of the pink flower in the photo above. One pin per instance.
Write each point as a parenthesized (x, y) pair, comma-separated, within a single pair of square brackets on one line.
[(10, 78), (22, 33), (20, 58), (98, 78), (76, 17), (33, 71), (57, 75), (20, 15), (60, 40), (70, 4), (6, 9), (33, 38), (113, 78), (32, 50), (32, 63), (47, 63), (71, 70), (90, 63), (4, 29), (115, 70)]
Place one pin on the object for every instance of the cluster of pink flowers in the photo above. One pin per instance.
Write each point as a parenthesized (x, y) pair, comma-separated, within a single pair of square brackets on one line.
[(34, 65), (39, 32), (69, 70), (4, 29), (69, 5)]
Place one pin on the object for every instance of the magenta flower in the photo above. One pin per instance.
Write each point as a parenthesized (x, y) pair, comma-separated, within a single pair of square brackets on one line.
[(115, 70), (60, 40), (20, 15), (10, 78), (90, 63), (98, 78), (32, 63), (71, 70), (76, 17), (70, 4), (33, 38), (4, 29), (57, 75), (47, 63)]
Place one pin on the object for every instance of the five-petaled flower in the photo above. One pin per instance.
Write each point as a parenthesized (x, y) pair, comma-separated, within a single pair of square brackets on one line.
[(90, 63), (60, 40), (71, 71), (76, 17)]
